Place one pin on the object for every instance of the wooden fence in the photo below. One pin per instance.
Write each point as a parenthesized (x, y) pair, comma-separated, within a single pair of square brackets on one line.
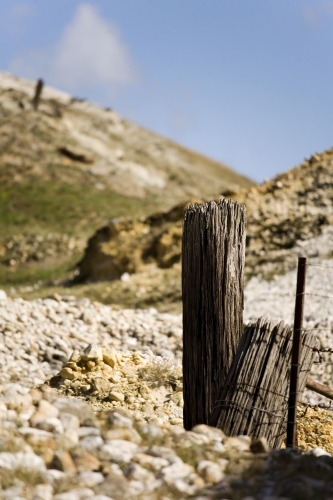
[(235, 379), (254, 398)]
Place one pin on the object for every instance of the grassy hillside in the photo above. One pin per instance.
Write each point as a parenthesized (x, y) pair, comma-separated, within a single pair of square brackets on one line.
[(38, 206), (72, 166)]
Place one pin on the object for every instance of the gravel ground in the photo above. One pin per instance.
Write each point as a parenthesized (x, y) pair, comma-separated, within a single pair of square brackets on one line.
[(39, 336), (56, 447)]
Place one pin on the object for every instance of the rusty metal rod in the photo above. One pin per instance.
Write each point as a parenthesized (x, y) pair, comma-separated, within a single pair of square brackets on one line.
[(296, 354)]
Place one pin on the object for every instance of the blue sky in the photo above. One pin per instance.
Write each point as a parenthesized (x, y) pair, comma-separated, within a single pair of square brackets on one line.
[(247, 82)]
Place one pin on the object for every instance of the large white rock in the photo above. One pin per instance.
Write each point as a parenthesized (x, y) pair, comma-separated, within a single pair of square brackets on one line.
[(43, 492), (119, 450), (26, 461), (91, 443), (317, 452), (177, 470), (75, 494)]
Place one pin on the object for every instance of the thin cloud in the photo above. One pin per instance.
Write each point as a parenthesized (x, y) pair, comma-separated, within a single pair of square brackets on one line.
[(316, 15), (21, 10), (312, 16), (90, 53), (91, 50)]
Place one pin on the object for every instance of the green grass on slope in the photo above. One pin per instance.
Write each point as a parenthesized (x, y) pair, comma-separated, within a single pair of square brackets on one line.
[(31, 273), (46, 206)]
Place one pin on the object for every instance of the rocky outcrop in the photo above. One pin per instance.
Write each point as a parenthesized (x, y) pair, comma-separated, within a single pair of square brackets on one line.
[(284, 216), (128, 245)]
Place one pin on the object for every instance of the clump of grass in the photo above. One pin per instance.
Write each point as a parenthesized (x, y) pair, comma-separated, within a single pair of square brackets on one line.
[(63, 485), (18, 476), (10, 441), (159, 373), (194, 454)]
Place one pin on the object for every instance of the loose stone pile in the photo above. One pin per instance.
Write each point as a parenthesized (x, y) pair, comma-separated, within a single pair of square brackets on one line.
[(146, 385), (22, 248), (315, 428)]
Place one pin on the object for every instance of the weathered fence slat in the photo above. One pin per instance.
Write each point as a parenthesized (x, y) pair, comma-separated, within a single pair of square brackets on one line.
[(319, 388), (254, 399), (213, 253)]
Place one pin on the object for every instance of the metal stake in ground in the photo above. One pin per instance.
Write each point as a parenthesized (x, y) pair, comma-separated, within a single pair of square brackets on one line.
[(295, 357), (213, 256)]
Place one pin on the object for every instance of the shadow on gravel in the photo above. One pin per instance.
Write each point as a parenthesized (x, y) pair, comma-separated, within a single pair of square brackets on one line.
[(284, 475)]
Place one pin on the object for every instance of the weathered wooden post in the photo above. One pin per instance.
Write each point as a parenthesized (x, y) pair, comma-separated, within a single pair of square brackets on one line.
[(38, 92), (213, 254)]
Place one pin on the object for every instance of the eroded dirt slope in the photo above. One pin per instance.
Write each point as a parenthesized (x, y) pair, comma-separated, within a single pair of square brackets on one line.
[(287, 216)]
